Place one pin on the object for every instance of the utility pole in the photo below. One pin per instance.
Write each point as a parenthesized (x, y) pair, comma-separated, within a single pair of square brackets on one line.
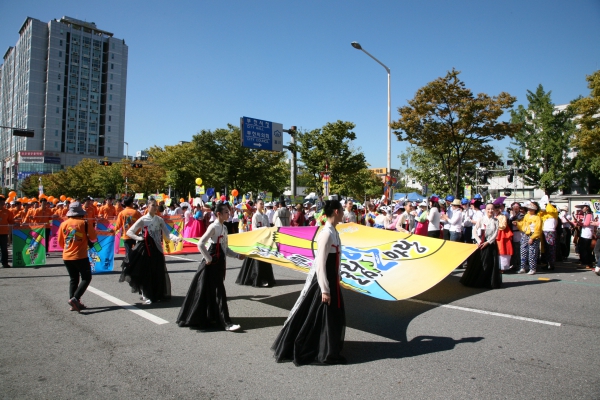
[(292, 149)]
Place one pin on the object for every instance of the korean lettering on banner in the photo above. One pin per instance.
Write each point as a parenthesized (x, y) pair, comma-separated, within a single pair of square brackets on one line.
[(29, 246), (53, 242)]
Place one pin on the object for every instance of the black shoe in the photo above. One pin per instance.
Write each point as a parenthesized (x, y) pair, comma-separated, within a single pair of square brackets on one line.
[(6, 266)]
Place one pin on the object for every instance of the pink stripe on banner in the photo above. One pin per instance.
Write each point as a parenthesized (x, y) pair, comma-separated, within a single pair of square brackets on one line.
[(291, 250), (302, 232)]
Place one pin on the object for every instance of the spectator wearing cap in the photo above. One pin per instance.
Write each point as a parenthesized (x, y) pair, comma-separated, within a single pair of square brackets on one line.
[(381, 217), (433, 230), (269, 213), (454, 220), (447, 215), (531, 227), (6, 223), (394, 219), (73, 237), (422, 222)]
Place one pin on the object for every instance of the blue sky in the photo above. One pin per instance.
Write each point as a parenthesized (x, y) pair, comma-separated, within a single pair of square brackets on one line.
[(203, 64)]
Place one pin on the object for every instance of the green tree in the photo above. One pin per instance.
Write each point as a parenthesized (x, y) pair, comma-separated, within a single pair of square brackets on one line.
[(454, 126), (332, 145), (543, 142), (587, 135), (29, 186), (218, 158)]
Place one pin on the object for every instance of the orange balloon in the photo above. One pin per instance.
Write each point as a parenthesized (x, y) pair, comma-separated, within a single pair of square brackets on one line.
[(234, 192), (42, 196), (25, 200), (70, 199), (63, 197), (51, 199), (12, 193), (181, 200)]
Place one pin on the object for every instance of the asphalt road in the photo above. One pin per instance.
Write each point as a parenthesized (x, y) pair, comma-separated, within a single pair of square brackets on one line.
[(536, 338)]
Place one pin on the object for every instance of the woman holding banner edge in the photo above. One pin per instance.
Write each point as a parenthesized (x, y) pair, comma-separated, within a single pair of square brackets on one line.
[(315, 328)]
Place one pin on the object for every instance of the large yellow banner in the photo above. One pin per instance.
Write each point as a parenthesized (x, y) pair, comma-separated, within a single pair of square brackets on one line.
[(384, 264)]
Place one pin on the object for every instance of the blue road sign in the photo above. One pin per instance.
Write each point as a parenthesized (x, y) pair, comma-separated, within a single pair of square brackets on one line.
[(261, 135)]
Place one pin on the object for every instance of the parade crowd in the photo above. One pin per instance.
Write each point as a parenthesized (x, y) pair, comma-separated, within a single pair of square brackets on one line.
[(524, 238)]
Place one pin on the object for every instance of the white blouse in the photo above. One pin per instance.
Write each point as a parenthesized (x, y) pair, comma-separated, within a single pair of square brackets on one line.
[(487, 225), (434, 219), (215, 233), (328, 242), (260, 220), (157, 229)]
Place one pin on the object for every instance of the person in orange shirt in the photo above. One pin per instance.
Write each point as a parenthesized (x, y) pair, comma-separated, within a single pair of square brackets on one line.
[(107, 210), (91, 213), (33, 205), (73, 236), (6, 222), (65, 209), (58, 210), (21, 214), (43, 215), (119, 207), (125, 220)]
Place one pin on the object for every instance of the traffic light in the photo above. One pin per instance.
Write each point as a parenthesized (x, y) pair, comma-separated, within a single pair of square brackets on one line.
[(105, 163), (511, 176), (23, 132), (136, 165)]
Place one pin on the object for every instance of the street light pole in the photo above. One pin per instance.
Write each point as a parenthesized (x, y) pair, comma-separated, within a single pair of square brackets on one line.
[(357, 46)]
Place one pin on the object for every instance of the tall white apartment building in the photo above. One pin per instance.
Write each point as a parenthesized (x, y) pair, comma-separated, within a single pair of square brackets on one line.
[(66, 81)]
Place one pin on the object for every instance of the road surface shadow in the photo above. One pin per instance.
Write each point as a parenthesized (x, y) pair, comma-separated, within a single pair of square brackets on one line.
[(363, 352), (251, 323)]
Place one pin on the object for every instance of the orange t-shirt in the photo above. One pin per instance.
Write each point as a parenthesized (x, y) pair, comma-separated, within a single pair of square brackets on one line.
[(91, 213), (6, 221), (42, 216), (107, 211), (73, 240), (126, 219)]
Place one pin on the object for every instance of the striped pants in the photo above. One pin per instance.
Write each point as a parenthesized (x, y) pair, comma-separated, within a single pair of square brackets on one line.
[(529, 253), (550, 247)]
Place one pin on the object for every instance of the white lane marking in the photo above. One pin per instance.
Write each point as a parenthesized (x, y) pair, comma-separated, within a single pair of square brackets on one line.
[(182, 258), (538, 321), (127, 306)]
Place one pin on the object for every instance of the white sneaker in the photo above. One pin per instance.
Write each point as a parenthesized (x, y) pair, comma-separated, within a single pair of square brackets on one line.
[(521, 271), (531, 272), (597, 271), (233, 327), (147, 301)]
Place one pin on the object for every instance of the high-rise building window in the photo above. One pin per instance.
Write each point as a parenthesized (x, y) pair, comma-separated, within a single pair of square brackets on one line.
[(58, 87), (58, 76), (61, 42), (111, 77), (56, 132), (109, 107), (109, 128), (110, 96), (109, 118), (112, 66), (57, 110), (58, 99), (60, 53), (112, 56), (111, 86)]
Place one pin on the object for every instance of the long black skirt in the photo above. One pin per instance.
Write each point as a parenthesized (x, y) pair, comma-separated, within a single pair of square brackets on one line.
[(483, 269), (145, 270), (256, 273), (314, 332), (206, 300)]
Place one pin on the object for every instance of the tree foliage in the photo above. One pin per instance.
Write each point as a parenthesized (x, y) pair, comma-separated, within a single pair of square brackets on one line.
[(332, 145), (543, 142), (218, 158), (587, 134), (453, 127)]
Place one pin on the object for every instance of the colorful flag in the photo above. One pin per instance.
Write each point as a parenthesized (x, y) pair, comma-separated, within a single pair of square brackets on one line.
[(102, 253), (53, 242), (175, 225), (29, 246), (384, 264)]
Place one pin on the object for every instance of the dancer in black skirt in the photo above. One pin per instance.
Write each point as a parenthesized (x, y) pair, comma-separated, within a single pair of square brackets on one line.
[(206, 300), (255, 272), (483, 266), (144, 268), (314, 331)]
